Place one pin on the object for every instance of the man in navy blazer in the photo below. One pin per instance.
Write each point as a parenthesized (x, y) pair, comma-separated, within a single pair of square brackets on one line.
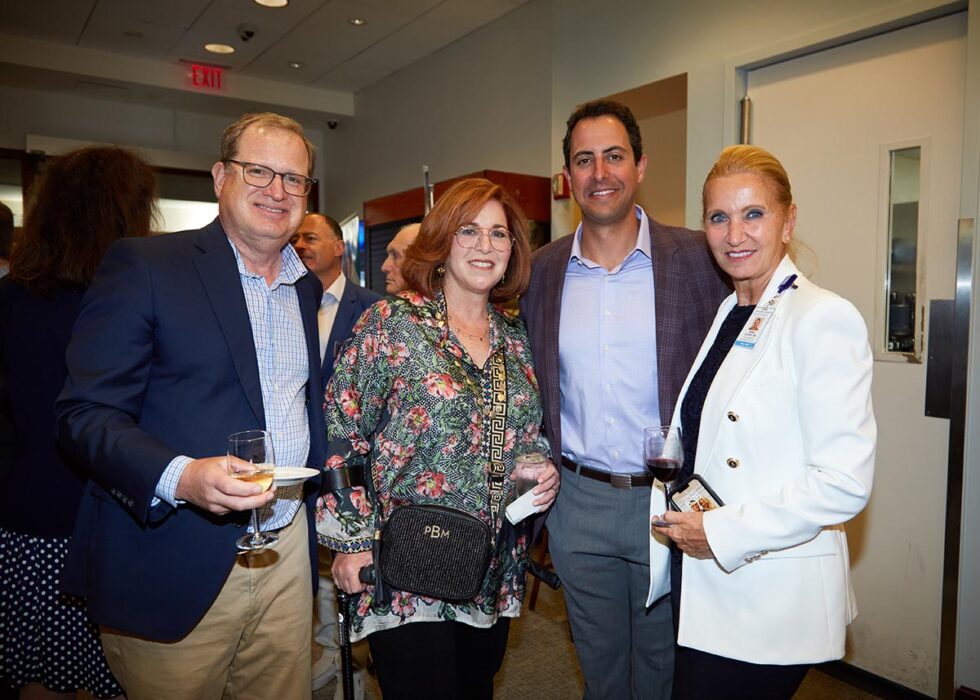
[(181, 340), (319, 242), (615, 314)]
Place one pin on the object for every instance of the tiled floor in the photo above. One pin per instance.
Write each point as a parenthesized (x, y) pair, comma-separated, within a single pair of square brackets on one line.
[(541, 665)]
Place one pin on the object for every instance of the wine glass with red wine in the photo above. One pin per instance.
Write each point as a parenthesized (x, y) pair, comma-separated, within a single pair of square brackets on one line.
[(663, 453)]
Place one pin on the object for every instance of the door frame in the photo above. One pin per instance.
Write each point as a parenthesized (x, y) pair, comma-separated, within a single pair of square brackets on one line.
[(960, 613)]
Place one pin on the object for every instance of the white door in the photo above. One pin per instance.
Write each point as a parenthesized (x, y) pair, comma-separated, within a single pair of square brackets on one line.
[(833, 119)]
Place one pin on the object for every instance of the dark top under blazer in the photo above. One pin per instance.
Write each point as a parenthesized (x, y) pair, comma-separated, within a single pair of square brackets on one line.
[(40, 485), (353, 301), (162, 363), (688, 287)]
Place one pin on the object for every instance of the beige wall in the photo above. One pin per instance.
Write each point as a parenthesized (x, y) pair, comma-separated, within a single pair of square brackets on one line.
[(483, 102), (661, 193)]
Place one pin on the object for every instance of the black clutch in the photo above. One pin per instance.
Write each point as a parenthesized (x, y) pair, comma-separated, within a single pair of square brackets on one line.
[(434, 551)]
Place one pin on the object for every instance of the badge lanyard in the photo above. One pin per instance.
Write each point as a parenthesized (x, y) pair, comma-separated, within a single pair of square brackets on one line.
[(760, 316)]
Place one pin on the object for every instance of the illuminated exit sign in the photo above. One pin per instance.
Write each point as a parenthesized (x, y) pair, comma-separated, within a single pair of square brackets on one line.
[(206, 77)]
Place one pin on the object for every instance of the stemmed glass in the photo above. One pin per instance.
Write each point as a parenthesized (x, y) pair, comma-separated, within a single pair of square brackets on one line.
[(663, 454), (254, 448)]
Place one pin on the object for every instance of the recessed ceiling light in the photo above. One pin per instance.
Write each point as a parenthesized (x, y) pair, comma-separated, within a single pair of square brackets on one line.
[(272, 3), (357, 21), (295, 65), (219, 48)]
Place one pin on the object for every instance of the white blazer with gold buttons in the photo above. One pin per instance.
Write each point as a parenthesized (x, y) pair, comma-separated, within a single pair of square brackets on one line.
[(787, 441)]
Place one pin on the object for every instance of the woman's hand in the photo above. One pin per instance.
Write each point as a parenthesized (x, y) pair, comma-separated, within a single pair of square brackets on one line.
[(687, 531), (346, 570), (547, 488)]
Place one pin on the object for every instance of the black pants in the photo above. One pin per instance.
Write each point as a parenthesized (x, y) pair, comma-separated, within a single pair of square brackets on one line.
[(438, 660), (699, 675)]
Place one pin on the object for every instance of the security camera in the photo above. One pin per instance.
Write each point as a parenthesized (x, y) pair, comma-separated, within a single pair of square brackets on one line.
[(246, 32), (331, 124)]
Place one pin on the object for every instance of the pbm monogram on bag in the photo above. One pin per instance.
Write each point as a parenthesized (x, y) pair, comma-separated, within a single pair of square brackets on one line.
[(435, 531)]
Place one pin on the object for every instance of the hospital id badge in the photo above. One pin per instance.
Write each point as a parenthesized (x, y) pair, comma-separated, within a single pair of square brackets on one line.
[(753, 329)]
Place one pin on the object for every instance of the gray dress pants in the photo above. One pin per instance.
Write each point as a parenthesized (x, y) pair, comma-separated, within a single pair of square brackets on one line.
[(599, 541)]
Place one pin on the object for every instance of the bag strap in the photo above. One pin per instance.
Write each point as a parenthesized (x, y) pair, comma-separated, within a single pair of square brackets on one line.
[(496, 425)]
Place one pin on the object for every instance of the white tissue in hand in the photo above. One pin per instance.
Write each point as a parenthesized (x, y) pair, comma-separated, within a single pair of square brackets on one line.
[(522, 507)]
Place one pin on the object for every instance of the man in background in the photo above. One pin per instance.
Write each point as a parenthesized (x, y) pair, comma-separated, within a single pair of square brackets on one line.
[(319, 243), (392, 266)]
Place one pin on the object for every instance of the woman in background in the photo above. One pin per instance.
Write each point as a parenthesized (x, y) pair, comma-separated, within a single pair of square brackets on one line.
[(776, 417), (413, 391), (86, 200)]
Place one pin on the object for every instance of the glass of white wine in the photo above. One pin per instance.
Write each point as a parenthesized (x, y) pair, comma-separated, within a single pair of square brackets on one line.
[(251, 459)]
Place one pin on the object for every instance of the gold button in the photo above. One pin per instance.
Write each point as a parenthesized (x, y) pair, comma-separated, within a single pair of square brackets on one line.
[(732, 416), (732, 462)]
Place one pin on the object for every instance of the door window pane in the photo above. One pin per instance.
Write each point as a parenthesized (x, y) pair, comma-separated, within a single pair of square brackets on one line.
[(901, 283)]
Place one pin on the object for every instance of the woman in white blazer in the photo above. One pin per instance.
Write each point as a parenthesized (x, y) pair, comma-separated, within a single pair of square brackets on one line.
[(776, 417)]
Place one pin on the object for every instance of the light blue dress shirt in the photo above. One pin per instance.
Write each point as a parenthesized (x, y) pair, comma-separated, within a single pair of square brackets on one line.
[(284, 370), (608, 357)]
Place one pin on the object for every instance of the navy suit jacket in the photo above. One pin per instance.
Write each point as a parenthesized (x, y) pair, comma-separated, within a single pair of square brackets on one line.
[(162, 363), (353, 301), (688, 287)]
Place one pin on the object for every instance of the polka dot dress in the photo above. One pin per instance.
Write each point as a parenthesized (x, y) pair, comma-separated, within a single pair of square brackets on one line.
[(45, 636)]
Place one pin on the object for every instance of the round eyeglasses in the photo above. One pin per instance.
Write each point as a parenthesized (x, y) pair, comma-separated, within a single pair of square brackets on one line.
[(468, 236), (261, 176)]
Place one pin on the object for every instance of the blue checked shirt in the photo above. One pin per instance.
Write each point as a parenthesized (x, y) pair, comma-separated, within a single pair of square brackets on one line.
[(284, 370), (607, 350)]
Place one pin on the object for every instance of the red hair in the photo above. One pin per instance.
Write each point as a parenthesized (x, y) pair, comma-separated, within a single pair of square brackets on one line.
[(461, 204)]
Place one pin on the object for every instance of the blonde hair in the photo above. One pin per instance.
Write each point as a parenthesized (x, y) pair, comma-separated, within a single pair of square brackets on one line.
[(752, 160)]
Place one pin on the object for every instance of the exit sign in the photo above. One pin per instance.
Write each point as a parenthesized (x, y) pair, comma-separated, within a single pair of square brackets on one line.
[(206, 77)]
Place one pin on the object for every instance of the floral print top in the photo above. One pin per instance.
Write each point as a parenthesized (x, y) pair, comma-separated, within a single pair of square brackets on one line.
[(406, 400)]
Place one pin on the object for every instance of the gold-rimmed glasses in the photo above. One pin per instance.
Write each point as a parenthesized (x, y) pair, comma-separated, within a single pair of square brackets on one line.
[(468, 236)]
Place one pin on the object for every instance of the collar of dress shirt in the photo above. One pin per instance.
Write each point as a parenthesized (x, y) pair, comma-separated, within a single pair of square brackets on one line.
[(642, 243), (291, 270), (332, 294)]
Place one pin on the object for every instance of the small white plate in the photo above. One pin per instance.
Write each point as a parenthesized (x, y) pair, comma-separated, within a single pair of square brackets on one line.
[(290, 476)]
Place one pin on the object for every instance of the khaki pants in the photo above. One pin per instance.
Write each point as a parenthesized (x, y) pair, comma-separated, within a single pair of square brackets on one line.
[(254, 641)]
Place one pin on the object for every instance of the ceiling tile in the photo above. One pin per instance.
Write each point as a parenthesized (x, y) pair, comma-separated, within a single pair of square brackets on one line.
[(56, 20), (405, 8), (172, 13), (316, 60), (351, 77), (412, 42), (129, 36), (466, 13)]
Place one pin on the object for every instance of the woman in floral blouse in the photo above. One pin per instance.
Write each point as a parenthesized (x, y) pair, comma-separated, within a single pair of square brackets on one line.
[(411, 390)]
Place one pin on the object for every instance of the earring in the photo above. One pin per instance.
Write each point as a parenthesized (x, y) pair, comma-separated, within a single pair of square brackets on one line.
[(503, 278), (441, 270)]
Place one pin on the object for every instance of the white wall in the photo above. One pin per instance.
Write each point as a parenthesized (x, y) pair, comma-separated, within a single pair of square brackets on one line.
[(603, 48), (483, 102)]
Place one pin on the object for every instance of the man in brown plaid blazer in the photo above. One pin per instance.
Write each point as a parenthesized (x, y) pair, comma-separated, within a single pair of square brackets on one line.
[(616, 313)]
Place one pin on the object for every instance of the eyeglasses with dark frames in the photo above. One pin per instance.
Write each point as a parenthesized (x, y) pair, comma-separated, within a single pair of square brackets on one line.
[(262, 176), (468, 236)]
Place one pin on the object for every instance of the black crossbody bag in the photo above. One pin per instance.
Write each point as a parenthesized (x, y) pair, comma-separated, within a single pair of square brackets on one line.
[(437, 551)]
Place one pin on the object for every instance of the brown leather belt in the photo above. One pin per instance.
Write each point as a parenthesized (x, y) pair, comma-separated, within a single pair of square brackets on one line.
[(617, 481)]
